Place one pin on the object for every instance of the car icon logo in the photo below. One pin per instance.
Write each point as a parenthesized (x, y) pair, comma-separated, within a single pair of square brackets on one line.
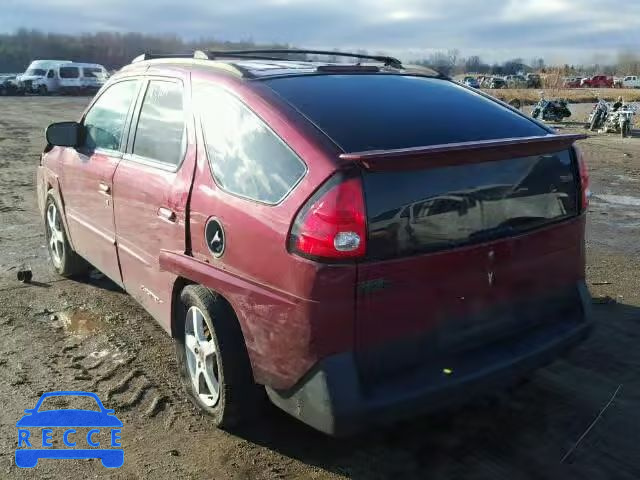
[(36, 432)]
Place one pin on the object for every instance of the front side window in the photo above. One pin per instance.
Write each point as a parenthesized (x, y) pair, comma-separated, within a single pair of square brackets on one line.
[(51, 74), (69, 72), (104, 123), (160, 135), (246, 157)]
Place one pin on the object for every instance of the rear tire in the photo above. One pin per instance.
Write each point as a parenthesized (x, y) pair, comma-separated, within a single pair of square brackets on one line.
[(212, 359), (65, 260)]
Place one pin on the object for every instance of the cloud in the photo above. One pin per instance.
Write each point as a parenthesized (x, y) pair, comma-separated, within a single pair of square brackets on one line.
[(494, 28)]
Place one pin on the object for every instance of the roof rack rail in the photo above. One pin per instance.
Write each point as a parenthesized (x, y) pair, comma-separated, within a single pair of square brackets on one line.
[(268, 54), (198, 54)]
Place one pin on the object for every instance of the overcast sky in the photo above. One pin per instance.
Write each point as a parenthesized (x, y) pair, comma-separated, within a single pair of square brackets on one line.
[(559, 30)]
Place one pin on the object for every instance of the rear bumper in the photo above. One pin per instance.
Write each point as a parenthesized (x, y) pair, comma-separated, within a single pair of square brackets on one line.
[(334, 399)]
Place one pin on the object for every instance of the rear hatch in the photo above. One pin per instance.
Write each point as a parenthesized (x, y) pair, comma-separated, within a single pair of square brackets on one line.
[(473, 213), (467, 245)]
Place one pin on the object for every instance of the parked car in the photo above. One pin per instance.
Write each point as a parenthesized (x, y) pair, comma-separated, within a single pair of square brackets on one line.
[(631, 81), (471, 82), (598, 81), (515, 81), (10, 85), (497, 83), (572, 82), (533, 80), (357, 275)]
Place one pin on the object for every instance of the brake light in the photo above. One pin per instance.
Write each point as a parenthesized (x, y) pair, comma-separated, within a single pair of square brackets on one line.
[(332, 225), (584, 179)]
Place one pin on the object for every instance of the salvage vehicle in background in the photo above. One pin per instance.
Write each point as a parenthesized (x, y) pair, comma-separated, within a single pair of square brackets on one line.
[(471, 82), (533, 80), (45, 77), (598, 81), (572, 82), (81, 78), (497, 82), (357, 275), (631, 81), (10, 85), (40, 77), (515, 81)]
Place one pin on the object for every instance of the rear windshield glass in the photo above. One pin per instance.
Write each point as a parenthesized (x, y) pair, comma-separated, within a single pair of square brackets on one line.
[(412, 212), (369, 112), (69, 72)]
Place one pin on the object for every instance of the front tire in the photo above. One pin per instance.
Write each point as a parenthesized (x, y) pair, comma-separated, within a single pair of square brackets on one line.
[(212, 359), (595, 121), (43, 91), (65, 260)]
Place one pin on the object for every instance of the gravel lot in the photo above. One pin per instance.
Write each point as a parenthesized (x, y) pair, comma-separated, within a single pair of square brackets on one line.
[(58, 334)]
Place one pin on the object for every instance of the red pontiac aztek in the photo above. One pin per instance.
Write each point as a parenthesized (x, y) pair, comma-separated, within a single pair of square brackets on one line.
[(364, 240)]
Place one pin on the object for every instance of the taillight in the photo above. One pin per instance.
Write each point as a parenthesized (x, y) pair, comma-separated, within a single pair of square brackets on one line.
[(333, 223), (584, 178)]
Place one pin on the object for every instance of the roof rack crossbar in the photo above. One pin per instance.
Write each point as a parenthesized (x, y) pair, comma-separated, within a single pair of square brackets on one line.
[(152, 56), (257, 54)]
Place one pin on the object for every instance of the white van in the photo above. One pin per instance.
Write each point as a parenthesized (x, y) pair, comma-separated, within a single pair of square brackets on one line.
[(40, 76), (77, 78), (63, 76)]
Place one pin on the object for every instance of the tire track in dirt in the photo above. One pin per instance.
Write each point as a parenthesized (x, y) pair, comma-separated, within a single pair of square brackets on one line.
[(116, 375)]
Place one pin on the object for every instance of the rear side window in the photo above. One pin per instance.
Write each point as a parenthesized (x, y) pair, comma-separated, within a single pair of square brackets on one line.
[(69, 72), (104, 123), (419, 211), (370, 112), (161, 133), (247, 158), (92, 72)]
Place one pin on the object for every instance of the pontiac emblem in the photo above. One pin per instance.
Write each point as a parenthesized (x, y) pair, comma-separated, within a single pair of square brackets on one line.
[(491, 277)]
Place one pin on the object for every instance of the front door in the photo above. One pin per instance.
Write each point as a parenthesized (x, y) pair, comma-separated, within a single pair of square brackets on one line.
[(87, 177), (151, 188)]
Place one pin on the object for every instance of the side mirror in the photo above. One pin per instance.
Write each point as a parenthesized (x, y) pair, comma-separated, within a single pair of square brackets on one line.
[(63, 134)]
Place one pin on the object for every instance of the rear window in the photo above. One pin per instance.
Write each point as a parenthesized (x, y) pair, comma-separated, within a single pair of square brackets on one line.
[(412, 212), (369, 112), (69, 72)]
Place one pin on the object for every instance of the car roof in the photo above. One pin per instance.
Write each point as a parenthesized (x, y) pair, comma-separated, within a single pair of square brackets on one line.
[(257, 66)]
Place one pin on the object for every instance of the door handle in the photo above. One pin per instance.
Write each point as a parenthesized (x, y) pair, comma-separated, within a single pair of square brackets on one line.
[(104, 188), (166, 214)]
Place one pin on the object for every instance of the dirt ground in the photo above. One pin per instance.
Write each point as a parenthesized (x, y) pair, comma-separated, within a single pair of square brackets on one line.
[(59, 334)]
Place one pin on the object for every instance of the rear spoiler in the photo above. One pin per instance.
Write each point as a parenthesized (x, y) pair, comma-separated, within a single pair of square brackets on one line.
[(434, 156)]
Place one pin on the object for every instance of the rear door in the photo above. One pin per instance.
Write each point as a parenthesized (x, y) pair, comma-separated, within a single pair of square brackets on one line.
[(151, 188), (87, 176), (449, 245)]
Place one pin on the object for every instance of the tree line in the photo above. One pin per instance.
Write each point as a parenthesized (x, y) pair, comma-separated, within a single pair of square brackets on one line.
[(113, 50), (450, 62)]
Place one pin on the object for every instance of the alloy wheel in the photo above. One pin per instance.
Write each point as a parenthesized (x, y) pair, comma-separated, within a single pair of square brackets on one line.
[(202, 357)]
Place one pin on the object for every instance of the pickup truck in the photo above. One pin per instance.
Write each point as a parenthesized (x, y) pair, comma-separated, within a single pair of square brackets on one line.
[(598, 81), (631, 81)]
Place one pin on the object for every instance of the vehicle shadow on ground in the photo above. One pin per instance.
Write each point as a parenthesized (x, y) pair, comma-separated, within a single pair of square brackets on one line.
[(508, 435), (98, 280)]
